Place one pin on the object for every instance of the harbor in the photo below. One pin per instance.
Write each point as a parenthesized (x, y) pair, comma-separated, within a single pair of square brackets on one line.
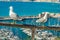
[(32, 28), (26, 21)]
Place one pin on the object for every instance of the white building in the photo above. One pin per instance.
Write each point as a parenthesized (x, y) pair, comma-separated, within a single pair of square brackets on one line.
[(33, 0), (17, 0), (4, 0), (47, 0)]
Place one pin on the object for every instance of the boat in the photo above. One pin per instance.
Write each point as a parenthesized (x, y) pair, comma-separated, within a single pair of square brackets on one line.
[(40, 35), (7, 35)]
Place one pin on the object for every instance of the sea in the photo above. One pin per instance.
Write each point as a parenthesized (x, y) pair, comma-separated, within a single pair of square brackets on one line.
[(29, 9)]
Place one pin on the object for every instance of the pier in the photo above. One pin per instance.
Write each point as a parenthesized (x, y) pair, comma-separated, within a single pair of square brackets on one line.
[(33, 27), (30, 26), (20, 17)]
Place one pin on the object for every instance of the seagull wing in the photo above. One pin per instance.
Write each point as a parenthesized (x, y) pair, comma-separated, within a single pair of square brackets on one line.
[(19, 18), (15, 16), (39, 20)]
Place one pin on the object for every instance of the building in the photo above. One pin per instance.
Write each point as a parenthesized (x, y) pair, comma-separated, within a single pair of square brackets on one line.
[(47, 0), (33, 0), (16, 0)]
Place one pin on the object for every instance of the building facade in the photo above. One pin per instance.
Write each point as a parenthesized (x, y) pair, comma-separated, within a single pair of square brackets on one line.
[(33, 0), (47, 0)]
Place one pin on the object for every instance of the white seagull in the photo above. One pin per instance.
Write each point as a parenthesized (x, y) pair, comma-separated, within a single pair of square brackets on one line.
[(12, 14), (43, 19)]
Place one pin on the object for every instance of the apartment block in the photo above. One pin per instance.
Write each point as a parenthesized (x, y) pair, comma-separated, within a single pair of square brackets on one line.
[(34, 0), (47, 0)]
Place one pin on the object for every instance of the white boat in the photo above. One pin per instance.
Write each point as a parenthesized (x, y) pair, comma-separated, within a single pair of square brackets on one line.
[(7, 35), (27, 31), (39, 35)]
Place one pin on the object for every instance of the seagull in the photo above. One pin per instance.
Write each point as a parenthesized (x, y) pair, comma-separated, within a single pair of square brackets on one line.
[(12, 14), (43, 19)]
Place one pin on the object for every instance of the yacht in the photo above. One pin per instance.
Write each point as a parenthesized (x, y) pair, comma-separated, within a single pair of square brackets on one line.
[(40, 35), (7, 35)]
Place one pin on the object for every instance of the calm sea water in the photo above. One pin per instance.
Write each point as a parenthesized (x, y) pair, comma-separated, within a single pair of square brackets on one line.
[(29, 9)]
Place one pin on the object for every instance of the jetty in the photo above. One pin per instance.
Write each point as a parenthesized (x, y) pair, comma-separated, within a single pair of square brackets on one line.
[(20, 17), (29, 17), (32, 27)]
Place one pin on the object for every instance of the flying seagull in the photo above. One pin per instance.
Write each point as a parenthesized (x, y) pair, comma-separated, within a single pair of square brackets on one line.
[(12, 14)]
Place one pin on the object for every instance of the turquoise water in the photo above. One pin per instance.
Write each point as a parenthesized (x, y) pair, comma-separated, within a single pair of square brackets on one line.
[(28, 9)]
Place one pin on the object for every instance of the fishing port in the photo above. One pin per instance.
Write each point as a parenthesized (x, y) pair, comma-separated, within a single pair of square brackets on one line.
[(26, 21), (35, 31)]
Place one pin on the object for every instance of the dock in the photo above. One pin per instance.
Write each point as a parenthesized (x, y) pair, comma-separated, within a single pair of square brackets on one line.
[(20, 17), (29, 17), (32, 27)]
